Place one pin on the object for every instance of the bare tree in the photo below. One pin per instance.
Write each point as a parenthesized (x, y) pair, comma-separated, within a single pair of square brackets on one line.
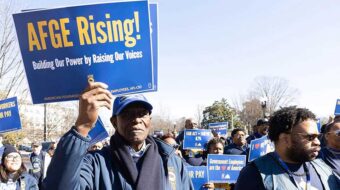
[(199, 115), (251, 112), (275, 90), (11, 68)]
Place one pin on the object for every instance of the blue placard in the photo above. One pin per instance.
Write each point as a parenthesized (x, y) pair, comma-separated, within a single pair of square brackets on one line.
[(64, 48), (196, 138), (318, 124), (9, 115), (198, 175), (337, 107), (260, 147), (154, 41), (98, 132), (225, 168), (219, 127)]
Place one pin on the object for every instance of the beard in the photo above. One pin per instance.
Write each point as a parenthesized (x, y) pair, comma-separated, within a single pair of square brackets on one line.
[(298, 153)]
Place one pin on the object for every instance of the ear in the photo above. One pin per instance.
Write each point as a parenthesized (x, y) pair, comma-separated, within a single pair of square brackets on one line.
[(113, 120), (285, 138)]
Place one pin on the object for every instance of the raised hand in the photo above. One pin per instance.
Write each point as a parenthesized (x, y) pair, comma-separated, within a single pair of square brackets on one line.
[(94, 97)]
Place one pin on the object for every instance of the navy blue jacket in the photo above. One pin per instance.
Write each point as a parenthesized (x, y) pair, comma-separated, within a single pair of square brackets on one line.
[(236, 150), (72, 167), (253, 137)]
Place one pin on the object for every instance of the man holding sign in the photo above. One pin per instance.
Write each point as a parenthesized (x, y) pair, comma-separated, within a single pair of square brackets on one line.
[(134, 160)]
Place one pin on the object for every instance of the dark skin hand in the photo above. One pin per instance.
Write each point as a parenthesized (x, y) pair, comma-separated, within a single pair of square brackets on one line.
[(95, 96)]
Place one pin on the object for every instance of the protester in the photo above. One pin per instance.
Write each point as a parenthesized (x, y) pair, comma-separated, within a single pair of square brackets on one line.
[(97, 146), (47, 159), (170, 140), (239, 144), (134, 160), (260, 130), (293, 165), (214, 146), (13, 173), (189, 124), (331, 152), (37, 159)]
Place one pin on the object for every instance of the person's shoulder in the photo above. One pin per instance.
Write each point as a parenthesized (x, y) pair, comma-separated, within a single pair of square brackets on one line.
[(163, 147), (28, 178), (249, 178)]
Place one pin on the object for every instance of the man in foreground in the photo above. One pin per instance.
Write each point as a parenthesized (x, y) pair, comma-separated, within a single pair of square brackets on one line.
[(133, 160), (293, 164)]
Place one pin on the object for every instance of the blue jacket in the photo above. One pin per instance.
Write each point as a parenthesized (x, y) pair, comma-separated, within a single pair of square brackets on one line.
[(27, 182), (236, 150), (72, 167), (274, 177)]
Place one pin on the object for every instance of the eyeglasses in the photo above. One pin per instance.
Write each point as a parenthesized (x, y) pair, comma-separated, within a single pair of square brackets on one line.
[(13, 157), (336, 132), (309, 137), (128, 114)]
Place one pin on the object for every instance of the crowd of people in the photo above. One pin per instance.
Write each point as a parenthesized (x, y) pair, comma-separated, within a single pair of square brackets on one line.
[(133, 159)]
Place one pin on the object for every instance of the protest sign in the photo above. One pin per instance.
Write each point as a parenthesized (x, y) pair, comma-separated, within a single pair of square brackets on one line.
[(64, 48), (260, 147), (198, 175), (154, 41), (219, 127), (225, 168), (9, 115), (318, 124), (98, 132), (196, 138), (337, 107)]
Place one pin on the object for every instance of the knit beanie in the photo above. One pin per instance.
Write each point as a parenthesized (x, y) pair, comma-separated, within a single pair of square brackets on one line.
[(8, 149)]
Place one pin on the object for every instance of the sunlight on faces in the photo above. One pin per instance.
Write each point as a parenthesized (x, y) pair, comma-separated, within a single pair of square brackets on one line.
[(13, 162), (133, 123), (304, 144), (215, 149), (239, 138)]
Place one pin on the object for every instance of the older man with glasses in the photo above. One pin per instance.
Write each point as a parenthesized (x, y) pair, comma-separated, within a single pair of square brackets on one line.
[(293, 164), (331, 152)]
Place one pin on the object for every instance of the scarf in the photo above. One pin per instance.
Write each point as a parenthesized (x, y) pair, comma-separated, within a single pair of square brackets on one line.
[(150, 174)]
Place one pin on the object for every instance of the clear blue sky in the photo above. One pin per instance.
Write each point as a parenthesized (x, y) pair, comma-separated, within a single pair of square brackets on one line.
[(214, 49)]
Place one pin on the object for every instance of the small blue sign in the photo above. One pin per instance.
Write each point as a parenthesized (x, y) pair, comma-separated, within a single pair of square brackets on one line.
[(318, 124), (98, 132), (219, 127), (196, 138), (9, 115), (65, 48), (225, 168), (337, 107), (260, 147), (198, 175)]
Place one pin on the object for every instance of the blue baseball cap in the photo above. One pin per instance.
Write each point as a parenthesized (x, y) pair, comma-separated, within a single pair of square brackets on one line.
[(122, 101)]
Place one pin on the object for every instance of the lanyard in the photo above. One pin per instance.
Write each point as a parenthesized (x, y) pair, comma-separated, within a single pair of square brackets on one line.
[(290, 174)]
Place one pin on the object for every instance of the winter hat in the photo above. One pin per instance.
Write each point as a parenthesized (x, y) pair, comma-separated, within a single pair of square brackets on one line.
[(8, 149)]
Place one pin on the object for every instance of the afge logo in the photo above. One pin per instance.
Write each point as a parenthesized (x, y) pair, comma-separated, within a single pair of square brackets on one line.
[(172, 177)]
